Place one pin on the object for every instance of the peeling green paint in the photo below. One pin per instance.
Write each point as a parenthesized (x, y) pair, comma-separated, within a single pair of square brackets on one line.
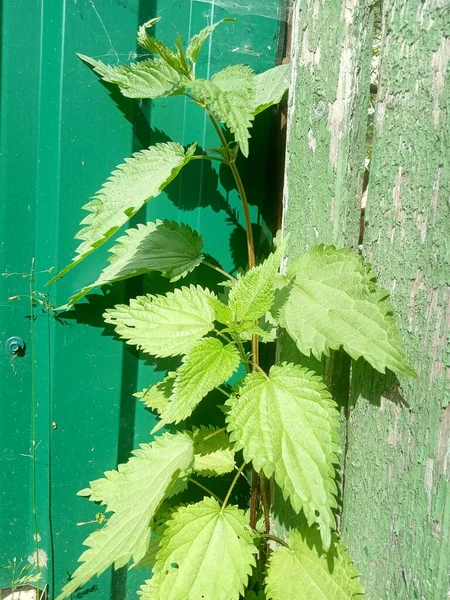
[(331, 60), (396, 499), (396, 515)]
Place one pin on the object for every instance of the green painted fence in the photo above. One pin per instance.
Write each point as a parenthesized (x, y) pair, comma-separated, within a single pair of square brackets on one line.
[(62, 133), (395, 467)]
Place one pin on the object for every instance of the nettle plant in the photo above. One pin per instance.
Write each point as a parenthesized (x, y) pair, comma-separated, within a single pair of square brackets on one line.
[(280, 427)]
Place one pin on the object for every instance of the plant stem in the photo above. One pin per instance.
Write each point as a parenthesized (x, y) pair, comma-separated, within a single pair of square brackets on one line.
[(251, 264), (225, 337), (205, 489), (215, 432), (265, 500), (274, 538), (245, 477), (219, 270), (233, 483), (241, 192), (242, 353), (208, 157), (254, 499)]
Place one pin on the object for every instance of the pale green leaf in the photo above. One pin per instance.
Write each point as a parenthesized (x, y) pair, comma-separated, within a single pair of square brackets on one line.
[(213, 453), (134, 493), (206, 552), (286, 423), (206, 366), (157, 396), (150, 78), (164, 325), (222, 311), (149, 558), (335, 302), (230, 95), (165, 246), (248, 328), (252, 295), (196, 43), (305, 572), (133, 183), (271, 87), (173, 59)]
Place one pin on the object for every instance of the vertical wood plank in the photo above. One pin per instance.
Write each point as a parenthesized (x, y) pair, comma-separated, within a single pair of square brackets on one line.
[(396, 515), (327, 119)]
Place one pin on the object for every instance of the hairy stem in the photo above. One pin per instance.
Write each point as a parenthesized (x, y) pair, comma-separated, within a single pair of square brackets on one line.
[(221, 430), (274, 538), (205, 489), (208, 157), (219, 270), (251, 264), (254, 499), (233, 483)]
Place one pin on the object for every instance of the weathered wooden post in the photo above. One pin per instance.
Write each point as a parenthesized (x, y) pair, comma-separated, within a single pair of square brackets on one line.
[(396, 496)]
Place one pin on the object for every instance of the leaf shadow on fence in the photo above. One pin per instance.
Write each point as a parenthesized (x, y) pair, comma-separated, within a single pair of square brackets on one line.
[(373, 386)]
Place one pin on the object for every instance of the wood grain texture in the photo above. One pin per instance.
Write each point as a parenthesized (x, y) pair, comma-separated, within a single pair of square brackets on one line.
[(331, 56), (396, 516)]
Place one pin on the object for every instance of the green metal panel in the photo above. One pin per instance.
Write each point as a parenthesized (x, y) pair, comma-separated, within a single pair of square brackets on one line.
[(61, 136)]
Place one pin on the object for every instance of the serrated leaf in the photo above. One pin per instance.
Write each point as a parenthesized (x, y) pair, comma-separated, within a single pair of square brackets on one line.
[(149, 559), (206, 366), (230, 95), (213, 453), (173, 59), (196, 43), (334, 302), (150, 78), (164, 246), (222, 311), (164, 325), (286, 423), (247, 329), (157, 396), (133, 493), (270, 87), (139, 179), (252, 295), (305, 572), (206, 552)]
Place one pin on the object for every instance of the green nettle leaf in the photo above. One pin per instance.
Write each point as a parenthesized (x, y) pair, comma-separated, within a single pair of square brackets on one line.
[(133, 493), (247, 329), (196, 43), (271, 87), (150, 78), (286, 423), (205, 552), (157, 396), (253, 294), (213, 453), (222, 312), (335, 302), (206, 366), (164, 325), (133, 183), (173, 59), (231, 96), (165, 246), (305, 571)]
